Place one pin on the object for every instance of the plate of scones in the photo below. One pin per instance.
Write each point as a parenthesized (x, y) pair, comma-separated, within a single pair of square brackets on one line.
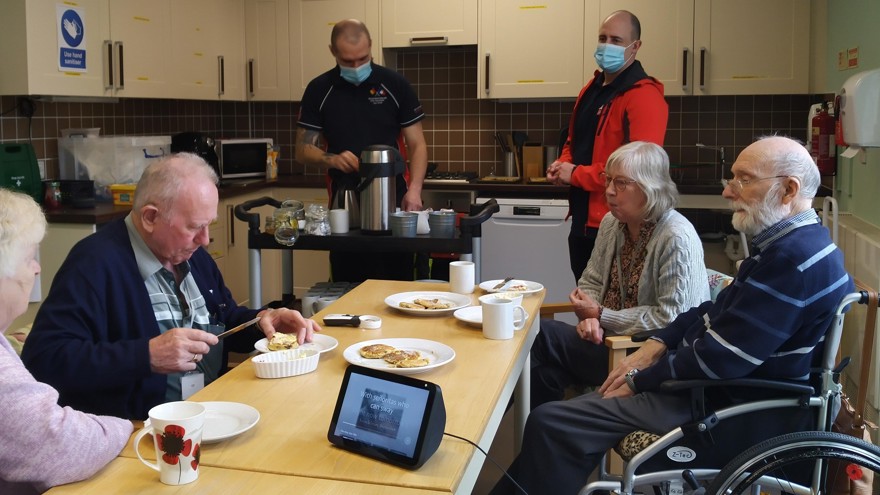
[(427, 303), (401, 356)]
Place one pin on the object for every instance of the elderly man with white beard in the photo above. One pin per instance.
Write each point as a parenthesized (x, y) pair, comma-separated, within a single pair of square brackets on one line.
[(767, 324)]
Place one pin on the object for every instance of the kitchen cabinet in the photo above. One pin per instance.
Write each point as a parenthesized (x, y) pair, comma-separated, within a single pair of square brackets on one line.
[(133, 48), (60, 239), (208, 59), (267, 47), (32, 66), (529, 50), (860, 242), (311, 22), (141, 34), (718, 47), (407, 23)]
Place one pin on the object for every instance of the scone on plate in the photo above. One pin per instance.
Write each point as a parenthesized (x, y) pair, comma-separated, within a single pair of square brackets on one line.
[(399, 355), (412, 363), (375, 351), (282, 341)]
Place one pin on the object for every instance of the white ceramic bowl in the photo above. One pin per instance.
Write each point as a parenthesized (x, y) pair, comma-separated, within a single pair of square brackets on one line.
[(280, 364), (516, 297)]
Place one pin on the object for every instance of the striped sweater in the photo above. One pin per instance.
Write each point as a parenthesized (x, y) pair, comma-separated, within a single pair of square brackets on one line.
[(768, 322)]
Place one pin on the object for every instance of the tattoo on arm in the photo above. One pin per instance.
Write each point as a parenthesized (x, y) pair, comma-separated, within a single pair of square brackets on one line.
[(312, 137)]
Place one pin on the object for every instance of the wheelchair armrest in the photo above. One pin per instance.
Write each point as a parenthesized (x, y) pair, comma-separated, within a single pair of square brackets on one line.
[(781, 385), (642, 336)]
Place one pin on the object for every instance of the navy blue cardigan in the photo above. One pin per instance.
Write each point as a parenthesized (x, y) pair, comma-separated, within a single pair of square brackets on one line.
[(90, 337)]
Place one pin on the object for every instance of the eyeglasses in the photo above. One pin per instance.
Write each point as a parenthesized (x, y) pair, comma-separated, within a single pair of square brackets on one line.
[(736, 185), (619, 182)]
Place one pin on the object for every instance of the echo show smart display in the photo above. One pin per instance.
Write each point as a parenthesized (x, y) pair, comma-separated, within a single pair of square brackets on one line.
[(393, 418)]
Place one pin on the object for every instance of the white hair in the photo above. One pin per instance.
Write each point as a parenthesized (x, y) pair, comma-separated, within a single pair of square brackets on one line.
[(22, 225)]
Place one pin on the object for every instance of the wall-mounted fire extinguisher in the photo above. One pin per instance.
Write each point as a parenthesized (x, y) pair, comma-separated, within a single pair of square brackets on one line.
[(823, 147)]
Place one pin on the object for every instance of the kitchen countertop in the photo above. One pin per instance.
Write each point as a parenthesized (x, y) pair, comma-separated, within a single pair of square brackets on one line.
[(693, 196)]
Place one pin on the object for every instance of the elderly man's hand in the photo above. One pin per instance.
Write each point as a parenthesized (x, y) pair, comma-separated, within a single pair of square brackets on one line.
[(179, 349), (584, 305), (287, 321), (644, 357)]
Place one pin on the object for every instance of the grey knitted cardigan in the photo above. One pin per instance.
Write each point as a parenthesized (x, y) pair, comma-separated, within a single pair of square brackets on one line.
[(673, 279)]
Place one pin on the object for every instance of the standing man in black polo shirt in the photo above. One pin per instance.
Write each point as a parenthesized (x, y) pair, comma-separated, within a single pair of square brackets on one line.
[(354, 105)]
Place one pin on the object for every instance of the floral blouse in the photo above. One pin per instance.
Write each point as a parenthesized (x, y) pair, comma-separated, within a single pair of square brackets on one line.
[(627, 266)]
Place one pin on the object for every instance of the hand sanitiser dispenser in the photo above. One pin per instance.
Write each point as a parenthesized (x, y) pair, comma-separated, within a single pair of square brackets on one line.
[(860, 109)]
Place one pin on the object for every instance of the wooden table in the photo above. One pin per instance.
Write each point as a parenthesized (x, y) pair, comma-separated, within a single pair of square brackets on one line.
[(291, 437), (130, 477)]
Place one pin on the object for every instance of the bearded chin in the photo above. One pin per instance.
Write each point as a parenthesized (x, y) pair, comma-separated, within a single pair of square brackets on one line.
[(754, 219)]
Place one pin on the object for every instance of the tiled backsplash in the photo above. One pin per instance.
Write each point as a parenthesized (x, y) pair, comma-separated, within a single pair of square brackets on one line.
[(459, 127)]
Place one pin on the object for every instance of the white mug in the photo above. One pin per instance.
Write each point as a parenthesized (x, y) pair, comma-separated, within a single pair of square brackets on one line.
[(498, 318), (338, 221), (461, 277), (177, 436), (322, 302)]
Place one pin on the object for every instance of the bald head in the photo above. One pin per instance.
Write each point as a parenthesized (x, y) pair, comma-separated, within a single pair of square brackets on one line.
[(779, 155), (350, 31), (628, 17)]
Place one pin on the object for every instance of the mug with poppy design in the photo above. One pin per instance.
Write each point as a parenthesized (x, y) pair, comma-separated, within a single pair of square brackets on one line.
[(177, 436)]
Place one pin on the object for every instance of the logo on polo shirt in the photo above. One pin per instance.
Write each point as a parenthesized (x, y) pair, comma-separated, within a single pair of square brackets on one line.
[(378, 95)]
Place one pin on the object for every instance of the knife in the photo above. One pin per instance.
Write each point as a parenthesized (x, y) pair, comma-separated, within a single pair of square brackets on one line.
[(238, 328), (502, 284)]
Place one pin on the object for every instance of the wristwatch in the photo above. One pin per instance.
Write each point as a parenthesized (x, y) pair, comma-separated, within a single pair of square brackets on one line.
[(628, 378)]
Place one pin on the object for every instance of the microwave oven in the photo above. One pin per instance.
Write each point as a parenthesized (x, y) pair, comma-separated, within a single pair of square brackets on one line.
[(242, 158)]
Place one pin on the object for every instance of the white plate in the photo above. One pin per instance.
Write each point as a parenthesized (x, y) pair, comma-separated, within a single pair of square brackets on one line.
[(437, 354), (320, 342), (473, 315), (457, 301), (531, 287), (227, 419)]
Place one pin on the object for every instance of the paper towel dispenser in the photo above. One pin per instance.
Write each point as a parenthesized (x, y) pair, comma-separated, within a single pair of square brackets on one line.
[(860, 109)]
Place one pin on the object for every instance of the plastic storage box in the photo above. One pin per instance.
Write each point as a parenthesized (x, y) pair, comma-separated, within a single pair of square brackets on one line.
[(123, 194), (109, 160)]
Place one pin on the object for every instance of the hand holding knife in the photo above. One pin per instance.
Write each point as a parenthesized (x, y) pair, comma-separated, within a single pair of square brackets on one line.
[(237, 329)]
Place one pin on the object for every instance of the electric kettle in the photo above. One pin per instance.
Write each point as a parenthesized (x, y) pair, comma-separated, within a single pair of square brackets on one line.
[(380, 165)]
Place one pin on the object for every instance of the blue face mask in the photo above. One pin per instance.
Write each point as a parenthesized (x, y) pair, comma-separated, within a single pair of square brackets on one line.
[(356, 75), (610, 57)]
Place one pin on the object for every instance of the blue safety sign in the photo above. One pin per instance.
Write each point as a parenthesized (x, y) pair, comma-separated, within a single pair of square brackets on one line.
[(71, 40)]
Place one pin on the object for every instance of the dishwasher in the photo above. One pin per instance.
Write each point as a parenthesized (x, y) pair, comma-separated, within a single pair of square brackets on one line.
[(528, 239)]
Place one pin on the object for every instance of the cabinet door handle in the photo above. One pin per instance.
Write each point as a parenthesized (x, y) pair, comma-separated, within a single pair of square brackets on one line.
[(121, 64), (251, 77), (487, 74), (230, 225), (221, 75), (685, 86), (703, 68), (108, 67), (430, 40)]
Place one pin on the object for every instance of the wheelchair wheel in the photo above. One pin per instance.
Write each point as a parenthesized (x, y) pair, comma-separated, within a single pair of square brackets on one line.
[(785, 464)]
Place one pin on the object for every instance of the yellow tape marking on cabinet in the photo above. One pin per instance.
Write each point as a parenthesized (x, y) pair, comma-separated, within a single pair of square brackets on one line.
[(77, 74), (533, 7), (139, 18)]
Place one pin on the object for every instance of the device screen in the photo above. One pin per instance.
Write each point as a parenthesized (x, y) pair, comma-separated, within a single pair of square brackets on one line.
[(382, 414)]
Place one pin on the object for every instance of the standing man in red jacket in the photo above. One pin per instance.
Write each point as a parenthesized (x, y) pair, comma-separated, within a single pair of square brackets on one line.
[(619, 105)]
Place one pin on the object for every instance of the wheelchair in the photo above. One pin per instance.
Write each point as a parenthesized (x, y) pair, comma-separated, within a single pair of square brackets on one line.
[(779, 441)]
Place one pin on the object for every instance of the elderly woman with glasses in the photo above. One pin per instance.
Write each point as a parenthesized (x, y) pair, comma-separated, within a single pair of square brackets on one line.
[(41, 443), (646, 268)]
